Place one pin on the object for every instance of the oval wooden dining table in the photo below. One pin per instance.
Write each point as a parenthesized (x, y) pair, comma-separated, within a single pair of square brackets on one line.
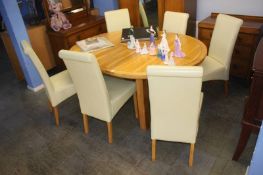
[(119, 61)]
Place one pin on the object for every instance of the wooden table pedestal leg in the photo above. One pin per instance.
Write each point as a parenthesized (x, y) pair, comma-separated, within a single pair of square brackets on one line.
[(143, 103)]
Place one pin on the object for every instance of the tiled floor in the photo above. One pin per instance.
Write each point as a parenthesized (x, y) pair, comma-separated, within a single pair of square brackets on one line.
[(31, 144)]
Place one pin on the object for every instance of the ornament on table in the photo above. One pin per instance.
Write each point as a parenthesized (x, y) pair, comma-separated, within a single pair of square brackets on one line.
[(152, 34), (159, 53), (178, 48), (166, 58), (163, 47), (144, 50), (131, 43), (152, 49), (137, 46), (171, 59)]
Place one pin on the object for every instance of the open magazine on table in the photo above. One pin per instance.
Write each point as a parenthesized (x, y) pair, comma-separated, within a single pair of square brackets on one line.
[(94, 43)]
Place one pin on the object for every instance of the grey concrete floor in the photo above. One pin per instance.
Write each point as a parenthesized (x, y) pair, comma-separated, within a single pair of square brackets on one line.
[(31, 144)]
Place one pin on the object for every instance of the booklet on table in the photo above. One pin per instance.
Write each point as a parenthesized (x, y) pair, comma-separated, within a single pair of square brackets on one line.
[(93, 44)]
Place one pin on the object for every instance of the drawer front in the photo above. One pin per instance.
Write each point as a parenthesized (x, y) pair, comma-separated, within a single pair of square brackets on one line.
[(95, 30), (91, 32), (242, 51), (206, 42), (240, 67), (205, 34), (241, 61), (242, 38), (245, 39)]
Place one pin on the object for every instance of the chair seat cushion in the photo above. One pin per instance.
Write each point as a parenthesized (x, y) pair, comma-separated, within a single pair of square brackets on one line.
[(213, 70), (120, 90), (63, 86)]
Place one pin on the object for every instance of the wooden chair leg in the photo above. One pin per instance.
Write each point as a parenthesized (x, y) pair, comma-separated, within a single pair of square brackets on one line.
[(50, 106), (109, 125), (85, 123), (153, 149), (226, 87), (191, 155), (135, 105), (56, 115), (243, 138)]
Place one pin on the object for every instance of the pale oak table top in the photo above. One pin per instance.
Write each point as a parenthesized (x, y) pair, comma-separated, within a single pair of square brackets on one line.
[(122, 62)]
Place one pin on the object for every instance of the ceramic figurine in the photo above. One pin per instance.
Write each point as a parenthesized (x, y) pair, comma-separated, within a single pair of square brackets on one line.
[(152, 49), (164, 47), (152, 34), (159, 52), (171, 59), (58, 20), (178, 48), (144, 50), (137, 46), (131, 43)]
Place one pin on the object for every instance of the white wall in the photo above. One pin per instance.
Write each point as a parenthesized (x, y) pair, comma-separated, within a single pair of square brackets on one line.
[(242, 7)]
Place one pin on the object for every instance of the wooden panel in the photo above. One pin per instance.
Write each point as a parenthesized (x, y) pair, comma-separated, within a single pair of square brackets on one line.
[(41, 45), (187, 6), (133, 7), (175, 5), (161, 10)]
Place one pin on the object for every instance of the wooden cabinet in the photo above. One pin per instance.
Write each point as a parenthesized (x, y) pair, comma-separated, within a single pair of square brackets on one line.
[(81, 29), (253, 113), (186, 6), (40, 43), (247, 40)]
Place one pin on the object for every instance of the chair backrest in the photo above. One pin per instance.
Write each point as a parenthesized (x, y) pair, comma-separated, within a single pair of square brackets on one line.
[(224, 38), (89, 83), (28, 50), (143, 15), (175, 94), (116, 20), (175, 22)]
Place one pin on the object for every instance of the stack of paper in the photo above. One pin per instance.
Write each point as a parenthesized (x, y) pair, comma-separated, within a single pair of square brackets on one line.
[(92, 44)]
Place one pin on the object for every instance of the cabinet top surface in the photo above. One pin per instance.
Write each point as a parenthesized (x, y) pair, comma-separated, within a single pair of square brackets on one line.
[(248, 26)]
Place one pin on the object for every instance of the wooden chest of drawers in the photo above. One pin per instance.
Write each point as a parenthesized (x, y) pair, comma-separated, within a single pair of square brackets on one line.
[(81, 29), (248, 37)]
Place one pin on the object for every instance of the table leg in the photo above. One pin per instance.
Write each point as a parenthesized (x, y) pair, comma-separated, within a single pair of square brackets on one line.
[(143, 103)]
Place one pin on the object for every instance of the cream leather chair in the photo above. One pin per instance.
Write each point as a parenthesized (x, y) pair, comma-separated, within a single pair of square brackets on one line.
[(175, 22), (58, 87), (143, 15), (175, 102), (216, 65), (116, 20), (99, 97)]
